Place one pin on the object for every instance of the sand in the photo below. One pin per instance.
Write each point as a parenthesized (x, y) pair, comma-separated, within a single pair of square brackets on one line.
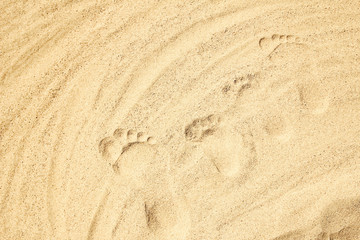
[(181, 120)]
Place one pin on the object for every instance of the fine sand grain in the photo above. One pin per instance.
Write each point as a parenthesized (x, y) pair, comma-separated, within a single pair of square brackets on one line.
[(179, 120)]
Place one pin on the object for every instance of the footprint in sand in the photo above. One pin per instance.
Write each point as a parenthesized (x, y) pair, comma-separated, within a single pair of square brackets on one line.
[(201, 128), (240, 84), (137, 164), (113, 146), (229, 150), (270, 43)]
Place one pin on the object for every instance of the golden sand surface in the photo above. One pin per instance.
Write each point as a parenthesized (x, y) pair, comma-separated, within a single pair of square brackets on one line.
[(179, 120)]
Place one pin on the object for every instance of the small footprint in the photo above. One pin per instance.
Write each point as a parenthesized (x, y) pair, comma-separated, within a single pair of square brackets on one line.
[(112, 147), (229, 151), (271, 43), (201, 127), (240, 84)]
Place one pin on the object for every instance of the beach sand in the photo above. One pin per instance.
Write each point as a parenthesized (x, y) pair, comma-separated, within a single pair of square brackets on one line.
[(179, 120)]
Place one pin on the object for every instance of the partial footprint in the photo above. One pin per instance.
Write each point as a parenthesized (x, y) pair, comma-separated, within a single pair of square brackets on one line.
[(240, 84), (227, 149), (277, 126), (112, 147), (270, 43), (313, 97), (201, 127), (137, 164), (167, 219)]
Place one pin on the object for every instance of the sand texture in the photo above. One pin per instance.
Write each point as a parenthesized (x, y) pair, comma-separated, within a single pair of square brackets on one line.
[(179, 120)]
